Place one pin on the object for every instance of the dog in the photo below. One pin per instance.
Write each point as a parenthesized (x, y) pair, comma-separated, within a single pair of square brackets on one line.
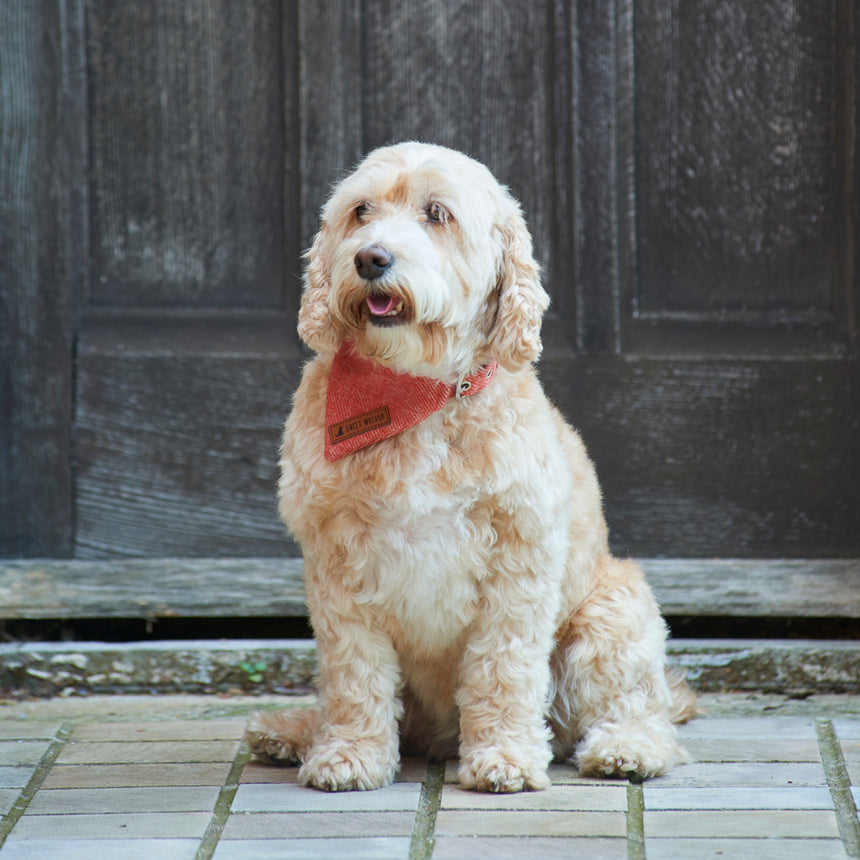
[(459, 580)]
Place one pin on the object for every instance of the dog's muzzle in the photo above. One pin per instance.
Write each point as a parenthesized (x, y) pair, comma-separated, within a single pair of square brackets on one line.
[(385, 309)]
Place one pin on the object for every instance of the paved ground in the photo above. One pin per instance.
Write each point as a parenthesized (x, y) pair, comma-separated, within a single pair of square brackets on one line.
[(167, 777)]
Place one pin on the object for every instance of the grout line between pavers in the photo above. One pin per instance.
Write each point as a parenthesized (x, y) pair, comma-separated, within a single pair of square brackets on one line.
[(839, 784), (221, 812), (635, 821), (43, 768), (423, 840)]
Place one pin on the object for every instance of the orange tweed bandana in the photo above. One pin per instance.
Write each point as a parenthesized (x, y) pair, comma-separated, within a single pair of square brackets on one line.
[(366, 402)]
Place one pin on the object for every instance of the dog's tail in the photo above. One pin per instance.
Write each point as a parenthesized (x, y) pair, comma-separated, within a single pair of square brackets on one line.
[(282, 737), (684, 705)]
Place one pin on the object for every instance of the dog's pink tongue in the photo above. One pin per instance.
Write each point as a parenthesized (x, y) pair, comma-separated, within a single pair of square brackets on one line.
[(380, 305)]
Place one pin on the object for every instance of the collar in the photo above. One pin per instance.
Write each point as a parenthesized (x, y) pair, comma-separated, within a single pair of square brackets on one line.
[(366, 402)]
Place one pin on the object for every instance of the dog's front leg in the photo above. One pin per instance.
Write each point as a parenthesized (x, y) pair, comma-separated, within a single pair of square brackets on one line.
[(504, 679), (356, 746)]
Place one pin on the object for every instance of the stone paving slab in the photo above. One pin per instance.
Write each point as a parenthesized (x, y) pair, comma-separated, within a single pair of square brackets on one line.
[(28, 729), (115, 752), (129, 775), (745, 849), (847, 728), (17, 753), (775, 728), (746, 774), (15, 777), (102, 849), (8, 796), (125, 825), (537, 848), (721, 797), (496, 822), (172, 780), (174, 730), (273, 825), (356, 848), (782, 824), (750, 749), (54, 801)]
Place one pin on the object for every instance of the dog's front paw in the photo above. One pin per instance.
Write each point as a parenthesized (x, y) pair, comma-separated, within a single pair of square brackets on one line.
[(640, 750), (339, 766), (492, 770)]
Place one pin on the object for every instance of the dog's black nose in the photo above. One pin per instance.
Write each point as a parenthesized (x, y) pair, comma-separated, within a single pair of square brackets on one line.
[(372, 261)]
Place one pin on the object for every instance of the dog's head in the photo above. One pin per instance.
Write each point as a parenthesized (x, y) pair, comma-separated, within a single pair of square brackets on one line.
[(424, 261)]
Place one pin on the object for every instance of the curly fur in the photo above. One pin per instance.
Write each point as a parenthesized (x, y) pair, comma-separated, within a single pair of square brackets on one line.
[(459, 580)]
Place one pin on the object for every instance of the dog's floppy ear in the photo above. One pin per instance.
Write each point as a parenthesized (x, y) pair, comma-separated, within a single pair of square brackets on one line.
[(515, 336), (317, 327)]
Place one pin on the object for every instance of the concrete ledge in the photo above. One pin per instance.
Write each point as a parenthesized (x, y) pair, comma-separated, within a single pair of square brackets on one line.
[(792, 667), (258, 665)]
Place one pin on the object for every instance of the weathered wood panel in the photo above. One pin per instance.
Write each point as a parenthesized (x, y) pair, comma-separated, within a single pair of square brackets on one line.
[(41, 233), (178, 429), (720, 457), (194, 140), (153, 588), (781, 588), (186, 141), (693, 197), (273, 587), (695, 457), (740, 170)]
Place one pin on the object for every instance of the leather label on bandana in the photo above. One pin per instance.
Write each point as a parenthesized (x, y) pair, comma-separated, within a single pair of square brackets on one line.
[(358, 424)]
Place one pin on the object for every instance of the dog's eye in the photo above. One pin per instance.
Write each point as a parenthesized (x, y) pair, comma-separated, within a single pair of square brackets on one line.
[(436, 213), (360, 211)]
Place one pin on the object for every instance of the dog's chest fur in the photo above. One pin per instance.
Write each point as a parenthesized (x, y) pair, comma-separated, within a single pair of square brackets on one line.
[(410, 526)]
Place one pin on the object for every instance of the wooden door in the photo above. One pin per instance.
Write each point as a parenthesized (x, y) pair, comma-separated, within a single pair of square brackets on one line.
[(688, 171)]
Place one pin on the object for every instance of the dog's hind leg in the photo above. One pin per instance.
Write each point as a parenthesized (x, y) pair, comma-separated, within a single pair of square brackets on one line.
[(612, 700), (284, 736)]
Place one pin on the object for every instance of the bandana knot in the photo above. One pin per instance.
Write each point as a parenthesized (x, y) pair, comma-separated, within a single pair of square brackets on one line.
[(366, 402)]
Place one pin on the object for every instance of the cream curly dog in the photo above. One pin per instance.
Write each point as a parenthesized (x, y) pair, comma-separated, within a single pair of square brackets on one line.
[(459, 580)]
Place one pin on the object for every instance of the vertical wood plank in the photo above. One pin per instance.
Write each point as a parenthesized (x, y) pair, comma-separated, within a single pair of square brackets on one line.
[(187, 153), (291, 191), (560, 265), (847, 304), (41, 165), (739, 183), (596, 180)]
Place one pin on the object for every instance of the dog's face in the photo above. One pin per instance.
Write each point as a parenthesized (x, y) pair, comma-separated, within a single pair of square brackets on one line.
[(424, 261)]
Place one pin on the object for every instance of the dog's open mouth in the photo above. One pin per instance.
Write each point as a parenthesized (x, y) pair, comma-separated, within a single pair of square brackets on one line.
[(385, 309)]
